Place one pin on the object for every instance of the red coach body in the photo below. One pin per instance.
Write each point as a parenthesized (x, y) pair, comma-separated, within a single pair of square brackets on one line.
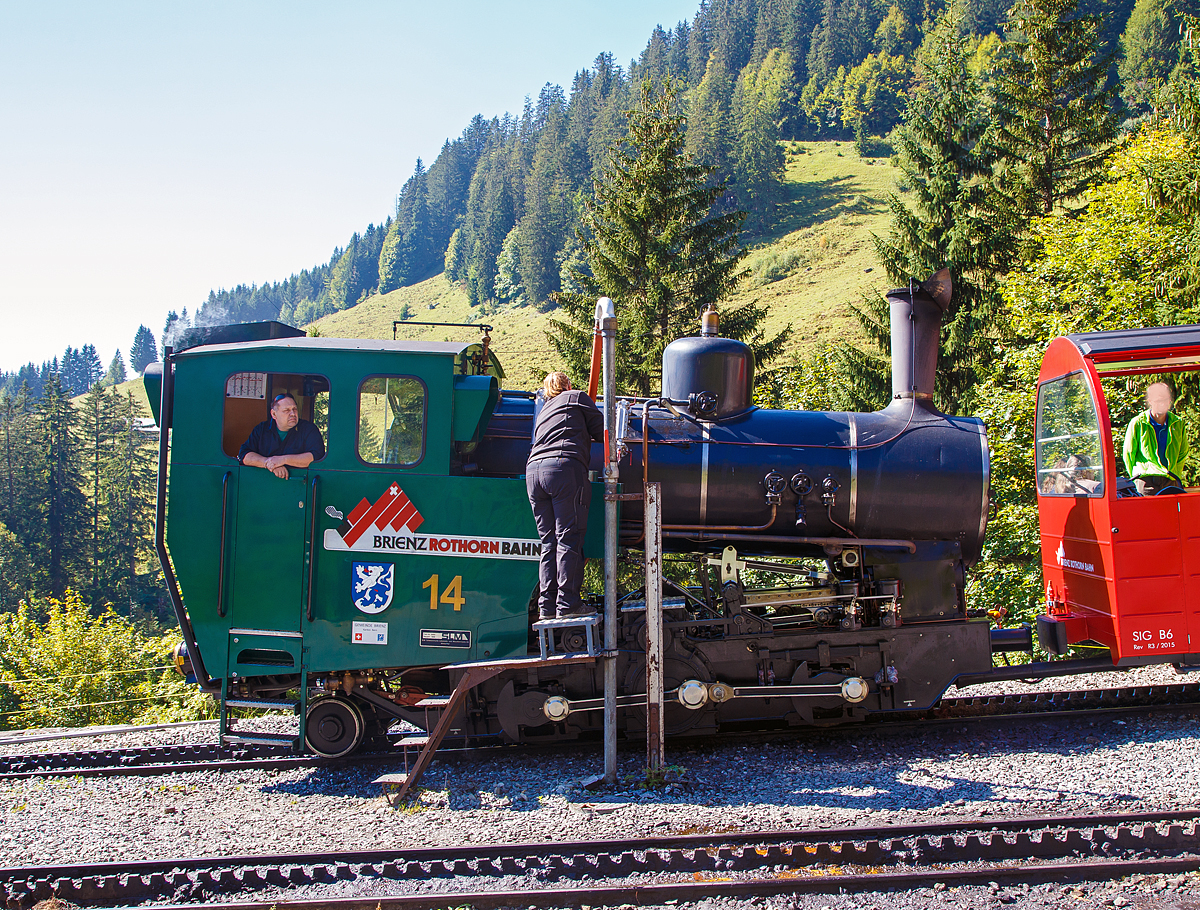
[(1122, 571)]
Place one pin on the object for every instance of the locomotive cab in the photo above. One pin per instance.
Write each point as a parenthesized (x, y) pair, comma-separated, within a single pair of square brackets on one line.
[(1121, 570), (382, 553)]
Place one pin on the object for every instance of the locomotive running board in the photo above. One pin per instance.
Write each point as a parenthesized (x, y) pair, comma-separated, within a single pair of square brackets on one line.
[(472, 675), (1038, 671)]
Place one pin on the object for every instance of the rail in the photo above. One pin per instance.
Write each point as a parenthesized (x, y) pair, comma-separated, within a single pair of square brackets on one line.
[(686, 868)]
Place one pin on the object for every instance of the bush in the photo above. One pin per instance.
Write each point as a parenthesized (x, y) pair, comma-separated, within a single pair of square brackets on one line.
[(62, 667)]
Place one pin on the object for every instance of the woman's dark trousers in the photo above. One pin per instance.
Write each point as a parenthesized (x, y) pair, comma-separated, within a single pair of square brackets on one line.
[(560, 495)]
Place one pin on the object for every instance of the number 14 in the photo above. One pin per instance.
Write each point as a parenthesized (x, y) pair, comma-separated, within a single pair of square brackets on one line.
[(452, 595)]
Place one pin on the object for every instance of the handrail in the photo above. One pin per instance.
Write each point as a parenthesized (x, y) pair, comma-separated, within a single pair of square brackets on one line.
[(314, 488), (224, 527), (166, 406)]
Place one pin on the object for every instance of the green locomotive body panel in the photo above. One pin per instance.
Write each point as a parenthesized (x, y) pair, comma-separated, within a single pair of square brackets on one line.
[(350, 564)]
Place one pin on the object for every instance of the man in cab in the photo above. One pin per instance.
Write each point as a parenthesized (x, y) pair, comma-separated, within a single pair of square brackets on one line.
[(283, 441)]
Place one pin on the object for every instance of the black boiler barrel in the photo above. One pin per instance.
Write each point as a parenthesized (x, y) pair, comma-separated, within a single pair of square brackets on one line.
[(906, 472)]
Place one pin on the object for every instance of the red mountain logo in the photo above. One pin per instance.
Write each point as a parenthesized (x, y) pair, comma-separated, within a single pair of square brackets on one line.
[(393, 509)]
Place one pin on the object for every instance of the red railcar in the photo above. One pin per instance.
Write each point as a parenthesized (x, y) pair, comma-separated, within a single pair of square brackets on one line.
[(1121, 570)]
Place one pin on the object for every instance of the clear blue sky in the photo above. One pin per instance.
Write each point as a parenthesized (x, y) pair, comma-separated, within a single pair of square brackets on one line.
[(152, 151)]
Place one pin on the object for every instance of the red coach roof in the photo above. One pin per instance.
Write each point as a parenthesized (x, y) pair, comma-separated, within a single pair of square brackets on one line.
[(1151, 350)]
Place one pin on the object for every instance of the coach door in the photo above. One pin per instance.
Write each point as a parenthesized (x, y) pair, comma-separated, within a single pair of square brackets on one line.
[(1073, 504)]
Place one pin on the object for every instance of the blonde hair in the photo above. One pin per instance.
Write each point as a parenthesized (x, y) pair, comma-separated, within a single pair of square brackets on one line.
[(556, 383)]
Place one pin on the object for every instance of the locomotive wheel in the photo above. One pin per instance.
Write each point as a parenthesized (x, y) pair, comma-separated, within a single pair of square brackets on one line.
[(334, 726), (676, 718), (520, 713)]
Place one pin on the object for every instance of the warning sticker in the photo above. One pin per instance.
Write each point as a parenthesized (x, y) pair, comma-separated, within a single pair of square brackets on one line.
[(370, 633), (444, 638)]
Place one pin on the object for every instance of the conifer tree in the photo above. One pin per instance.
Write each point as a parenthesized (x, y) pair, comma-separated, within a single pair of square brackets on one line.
[(1150, 50), (128, 504), (59, 488), (18, 464), (760, 102), (654, 246), (94, 433), (116, 370), (949, 222), (1054, 115), (143, 351)]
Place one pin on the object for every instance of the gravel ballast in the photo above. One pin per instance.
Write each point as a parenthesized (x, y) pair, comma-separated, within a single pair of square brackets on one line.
[(871, 778)]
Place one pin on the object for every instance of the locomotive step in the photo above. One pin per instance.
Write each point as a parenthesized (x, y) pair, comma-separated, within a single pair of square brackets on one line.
[(259, 739), (416, 739), (268, 704), (433, 701), (545, 631)]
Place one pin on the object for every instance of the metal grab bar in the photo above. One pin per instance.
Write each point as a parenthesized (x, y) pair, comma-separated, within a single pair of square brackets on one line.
[(314, 488), (224, 529)]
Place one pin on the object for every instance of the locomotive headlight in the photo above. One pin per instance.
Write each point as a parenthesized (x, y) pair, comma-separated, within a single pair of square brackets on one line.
[(854, 689), (692, 694), (556, 708), (182, 660)]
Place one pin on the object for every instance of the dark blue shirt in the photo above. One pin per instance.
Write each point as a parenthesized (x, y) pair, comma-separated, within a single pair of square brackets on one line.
[(264, 440), (1161, 434)]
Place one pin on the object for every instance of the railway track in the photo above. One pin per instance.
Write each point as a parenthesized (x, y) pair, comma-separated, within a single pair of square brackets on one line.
[(648, 870), (211, 756)]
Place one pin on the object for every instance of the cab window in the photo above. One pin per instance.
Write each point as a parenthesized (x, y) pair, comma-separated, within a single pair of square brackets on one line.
[(248, 398), (391, 420), (1070, 461)]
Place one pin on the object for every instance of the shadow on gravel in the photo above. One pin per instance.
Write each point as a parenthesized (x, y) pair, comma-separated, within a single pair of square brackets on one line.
[(850, 770), (330, 782)]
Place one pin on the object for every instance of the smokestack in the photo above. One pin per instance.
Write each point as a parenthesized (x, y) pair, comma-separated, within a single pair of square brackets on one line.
[(916, 332)]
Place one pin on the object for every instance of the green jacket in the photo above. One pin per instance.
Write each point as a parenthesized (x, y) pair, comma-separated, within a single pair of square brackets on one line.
[(1140, 451)]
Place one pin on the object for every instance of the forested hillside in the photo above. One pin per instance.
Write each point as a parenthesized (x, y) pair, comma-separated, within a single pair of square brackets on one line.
[(499, 206)]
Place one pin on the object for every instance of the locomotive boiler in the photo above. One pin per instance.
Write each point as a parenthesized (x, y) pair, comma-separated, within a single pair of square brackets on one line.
[(830, 548)]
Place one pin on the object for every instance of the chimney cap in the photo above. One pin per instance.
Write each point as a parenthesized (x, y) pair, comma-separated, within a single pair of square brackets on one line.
[(938, 287)]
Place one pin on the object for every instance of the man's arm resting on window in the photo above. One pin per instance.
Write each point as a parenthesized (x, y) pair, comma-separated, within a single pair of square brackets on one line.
[(303, 460)]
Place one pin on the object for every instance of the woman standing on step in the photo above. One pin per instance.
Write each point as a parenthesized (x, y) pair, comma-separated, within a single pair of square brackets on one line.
[(556, 477)]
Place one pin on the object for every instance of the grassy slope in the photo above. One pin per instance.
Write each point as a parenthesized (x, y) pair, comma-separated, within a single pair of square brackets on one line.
[(136, 386), (822, 247)]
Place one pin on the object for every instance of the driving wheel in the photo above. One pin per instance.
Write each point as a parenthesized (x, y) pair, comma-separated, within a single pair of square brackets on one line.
[(334, 727)]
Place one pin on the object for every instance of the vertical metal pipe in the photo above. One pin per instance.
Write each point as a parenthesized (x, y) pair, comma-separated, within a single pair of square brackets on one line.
[(606, 327), (654, 629)]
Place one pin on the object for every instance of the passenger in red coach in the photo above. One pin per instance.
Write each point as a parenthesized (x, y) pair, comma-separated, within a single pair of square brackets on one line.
[(1155, 443), (556, 478)]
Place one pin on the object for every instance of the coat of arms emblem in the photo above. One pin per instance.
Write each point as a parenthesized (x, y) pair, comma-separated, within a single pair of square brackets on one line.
[(372, 584)]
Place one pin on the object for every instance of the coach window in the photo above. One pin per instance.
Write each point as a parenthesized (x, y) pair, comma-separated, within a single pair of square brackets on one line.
[(248, 398), (1070, 461), (391, 420)]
